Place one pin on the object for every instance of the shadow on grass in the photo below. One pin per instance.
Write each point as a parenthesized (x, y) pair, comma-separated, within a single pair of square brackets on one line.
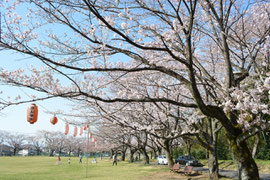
[(231, 163)]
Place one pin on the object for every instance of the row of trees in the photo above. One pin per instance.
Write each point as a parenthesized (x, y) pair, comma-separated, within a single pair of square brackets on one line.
[(160, 69), (46, 142), (126, 144)]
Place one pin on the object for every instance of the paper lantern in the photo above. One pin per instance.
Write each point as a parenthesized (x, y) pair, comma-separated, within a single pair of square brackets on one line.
[(75, 131), (54, 120), (81, 131), (32, 113), (90, 135), (66, 128)]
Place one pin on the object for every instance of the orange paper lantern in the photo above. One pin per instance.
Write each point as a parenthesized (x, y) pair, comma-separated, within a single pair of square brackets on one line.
[(75, 131), (66, 128), (32, 113), (81, 131), (54, 120)]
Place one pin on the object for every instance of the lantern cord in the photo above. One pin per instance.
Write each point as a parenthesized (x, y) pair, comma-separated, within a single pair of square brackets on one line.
[(44, 107), (87, 153), (32, 98), (49, 111), (40, 104)]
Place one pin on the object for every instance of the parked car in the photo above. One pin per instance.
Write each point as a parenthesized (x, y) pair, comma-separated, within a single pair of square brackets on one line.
[(188, 160), (162, 159)]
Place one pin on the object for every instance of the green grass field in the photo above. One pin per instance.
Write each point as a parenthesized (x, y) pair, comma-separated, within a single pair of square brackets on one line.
[(38, 168), (41, 168)]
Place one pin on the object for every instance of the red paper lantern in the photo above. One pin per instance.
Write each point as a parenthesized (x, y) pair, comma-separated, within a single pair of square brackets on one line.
[(66, 128), (54, 120), (81, 131), (32, 113), (75, 131)]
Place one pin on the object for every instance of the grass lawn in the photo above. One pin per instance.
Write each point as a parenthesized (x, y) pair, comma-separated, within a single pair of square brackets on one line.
[(40, 168)]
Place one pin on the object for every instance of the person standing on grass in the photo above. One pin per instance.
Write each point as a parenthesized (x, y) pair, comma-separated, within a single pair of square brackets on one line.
[(68, 160), (114, 160), (58, 160), (80, 159)]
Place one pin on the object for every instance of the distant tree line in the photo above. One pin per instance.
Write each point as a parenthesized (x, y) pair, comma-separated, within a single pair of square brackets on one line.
[(132, 145), (43, 143)]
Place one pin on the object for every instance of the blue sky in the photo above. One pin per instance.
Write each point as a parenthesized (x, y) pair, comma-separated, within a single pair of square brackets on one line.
[(13, 118)]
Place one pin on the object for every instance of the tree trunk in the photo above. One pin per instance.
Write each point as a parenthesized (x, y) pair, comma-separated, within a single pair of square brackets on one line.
[(101, 155), (167, 149), (155, 154), (213, 164), (131, 158), (60, 151), (14, 151), (212, 151), (256, 145), (123, 154), (247, 168), (111, 154), (38, 151), (51, 152), (159, 149), (189, 145), (146, 157), (169, 158)]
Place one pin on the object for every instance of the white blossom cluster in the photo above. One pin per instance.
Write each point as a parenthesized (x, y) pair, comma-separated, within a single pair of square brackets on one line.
[(251, 103)]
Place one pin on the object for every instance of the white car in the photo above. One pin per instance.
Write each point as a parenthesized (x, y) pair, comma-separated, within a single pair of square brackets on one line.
[(162, 159)]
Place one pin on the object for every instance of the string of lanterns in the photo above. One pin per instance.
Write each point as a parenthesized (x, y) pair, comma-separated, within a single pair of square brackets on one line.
[(32, 116)]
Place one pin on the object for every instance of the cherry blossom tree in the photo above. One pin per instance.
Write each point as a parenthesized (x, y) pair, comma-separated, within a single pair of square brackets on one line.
[(54, 141), (15, 141), (213, 53), (79, 146), (71, 144), (2, 140), (37, 142)]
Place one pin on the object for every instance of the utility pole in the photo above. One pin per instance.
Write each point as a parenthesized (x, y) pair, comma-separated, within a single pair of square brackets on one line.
[(87, 152)]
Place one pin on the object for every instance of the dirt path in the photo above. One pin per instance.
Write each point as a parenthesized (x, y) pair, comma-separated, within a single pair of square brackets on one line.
[(165, 175), (202, 175)]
